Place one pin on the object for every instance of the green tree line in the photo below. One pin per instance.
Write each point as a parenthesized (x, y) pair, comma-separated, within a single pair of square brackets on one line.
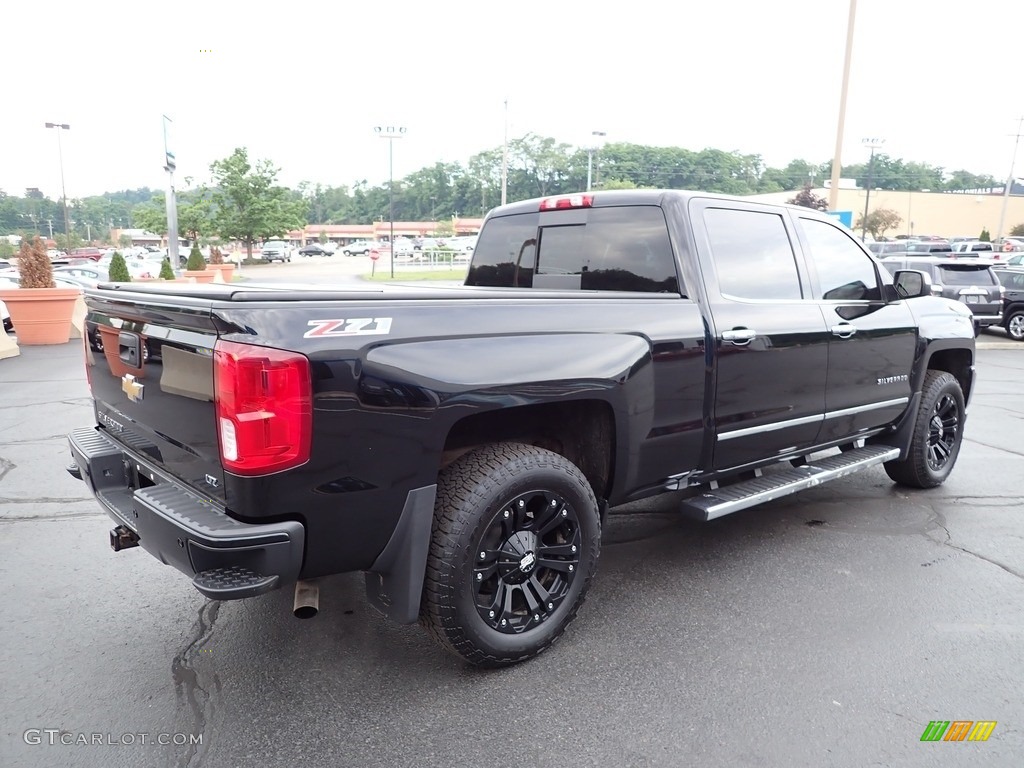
[(244, 202)]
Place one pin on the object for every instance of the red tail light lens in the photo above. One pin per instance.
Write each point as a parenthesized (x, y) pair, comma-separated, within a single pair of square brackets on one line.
[(264, 401), (566, 201)]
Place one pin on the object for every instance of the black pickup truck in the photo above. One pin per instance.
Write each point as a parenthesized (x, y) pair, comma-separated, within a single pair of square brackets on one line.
[(461, 445)]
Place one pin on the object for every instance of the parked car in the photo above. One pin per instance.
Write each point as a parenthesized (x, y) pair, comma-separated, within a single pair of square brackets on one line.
[(882, 249), (277, 250), (1012, 279), (359, 248), (314, 249), (973, 246), (971, 282), (94, 254), (929, 246), (85, 274)]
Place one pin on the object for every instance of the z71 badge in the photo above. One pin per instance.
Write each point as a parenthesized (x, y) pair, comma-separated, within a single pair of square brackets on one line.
[(356, 326)]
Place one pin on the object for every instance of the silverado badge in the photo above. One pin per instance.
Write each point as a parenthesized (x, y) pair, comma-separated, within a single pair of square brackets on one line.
[(132, 388)]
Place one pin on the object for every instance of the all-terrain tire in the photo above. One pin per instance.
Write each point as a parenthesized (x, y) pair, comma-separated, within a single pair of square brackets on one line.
[(515, 544), (938, 432)]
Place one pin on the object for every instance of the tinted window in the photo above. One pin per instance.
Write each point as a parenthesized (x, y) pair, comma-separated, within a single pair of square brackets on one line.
[(616, 249), (752, 254), (845, 273), (505, 251), (950, 275)]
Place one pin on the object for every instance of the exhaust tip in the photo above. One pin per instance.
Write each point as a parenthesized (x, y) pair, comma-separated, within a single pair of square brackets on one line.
[(307, 600)]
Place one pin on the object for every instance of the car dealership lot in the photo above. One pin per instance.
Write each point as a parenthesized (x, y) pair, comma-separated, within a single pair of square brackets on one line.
[(826, 628)]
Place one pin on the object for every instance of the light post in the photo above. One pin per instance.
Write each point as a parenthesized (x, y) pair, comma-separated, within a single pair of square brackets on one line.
[(596, 137), (63, 192), (837, 165), (873, 144), (391, 132)]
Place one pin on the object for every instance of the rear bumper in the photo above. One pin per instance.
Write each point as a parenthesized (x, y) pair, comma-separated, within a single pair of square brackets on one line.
[(227, 559)]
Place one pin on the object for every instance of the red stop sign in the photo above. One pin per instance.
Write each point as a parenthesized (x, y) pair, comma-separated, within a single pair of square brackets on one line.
[(374, 255)]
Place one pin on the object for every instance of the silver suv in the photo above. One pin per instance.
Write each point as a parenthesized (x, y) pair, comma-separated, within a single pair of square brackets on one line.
[(971, 282), (277, 250)]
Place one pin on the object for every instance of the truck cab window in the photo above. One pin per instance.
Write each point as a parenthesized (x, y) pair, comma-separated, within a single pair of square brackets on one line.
[(752, 254), (614, 249), (845, 273)]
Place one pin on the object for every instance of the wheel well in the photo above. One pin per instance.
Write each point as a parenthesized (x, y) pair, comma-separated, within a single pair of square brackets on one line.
[(956, 362), (581, 430)]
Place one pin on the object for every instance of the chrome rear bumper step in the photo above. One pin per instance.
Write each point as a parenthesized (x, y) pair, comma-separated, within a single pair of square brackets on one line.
[(749, 493)]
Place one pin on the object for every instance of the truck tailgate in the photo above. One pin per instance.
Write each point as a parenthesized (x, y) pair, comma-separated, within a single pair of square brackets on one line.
[(150, 366)]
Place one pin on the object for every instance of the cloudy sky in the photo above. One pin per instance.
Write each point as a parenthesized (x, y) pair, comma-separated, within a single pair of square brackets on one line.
[(304, 83)]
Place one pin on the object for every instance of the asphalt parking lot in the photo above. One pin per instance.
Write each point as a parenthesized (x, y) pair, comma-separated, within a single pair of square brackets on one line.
[(823, 629)]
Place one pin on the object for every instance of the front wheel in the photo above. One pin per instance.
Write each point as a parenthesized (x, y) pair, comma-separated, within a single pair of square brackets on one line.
[(1015, 326), (516, 539), (937, 435)]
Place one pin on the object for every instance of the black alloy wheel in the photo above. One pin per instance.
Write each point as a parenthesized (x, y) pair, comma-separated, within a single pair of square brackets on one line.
[(528, 557)]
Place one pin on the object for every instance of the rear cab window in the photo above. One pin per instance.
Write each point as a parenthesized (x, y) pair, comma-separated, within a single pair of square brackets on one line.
[(621, 248)]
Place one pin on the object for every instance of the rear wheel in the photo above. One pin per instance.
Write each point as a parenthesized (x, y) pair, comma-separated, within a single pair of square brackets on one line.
[(937, 434), (515, 546), (1015, 326)]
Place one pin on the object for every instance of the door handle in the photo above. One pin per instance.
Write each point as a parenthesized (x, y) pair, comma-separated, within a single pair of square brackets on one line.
[(843, 330), (739, 336)]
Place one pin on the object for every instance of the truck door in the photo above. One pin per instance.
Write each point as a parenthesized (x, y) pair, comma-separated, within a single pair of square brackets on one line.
[(871, 341), (770, 343)]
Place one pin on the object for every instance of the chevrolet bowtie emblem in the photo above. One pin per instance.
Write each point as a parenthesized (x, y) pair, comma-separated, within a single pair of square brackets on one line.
[(132, 388)]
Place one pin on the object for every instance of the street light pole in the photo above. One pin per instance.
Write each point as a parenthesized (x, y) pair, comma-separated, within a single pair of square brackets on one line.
[(595, 137), (1009, 182), (63, 191), (873, 144), (391, 132)]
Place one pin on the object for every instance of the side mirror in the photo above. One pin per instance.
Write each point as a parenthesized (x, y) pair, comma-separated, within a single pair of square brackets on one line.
[(911, 283)]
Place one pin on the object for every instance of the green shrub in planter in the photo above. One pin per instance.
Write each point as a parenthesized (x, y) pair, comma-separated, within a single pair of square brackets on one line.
[(118, 270), (196, 262), (166, 273)]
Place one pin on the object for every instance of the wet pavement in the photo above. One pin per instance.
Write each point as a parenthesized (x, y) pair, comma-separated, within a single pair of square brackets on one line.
[(826, 628)]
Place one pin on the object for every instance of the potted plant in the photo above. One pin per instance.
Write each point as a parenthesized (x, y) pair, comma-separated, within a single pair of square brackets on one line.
[(166, 273), (195, 267), (40, 311)]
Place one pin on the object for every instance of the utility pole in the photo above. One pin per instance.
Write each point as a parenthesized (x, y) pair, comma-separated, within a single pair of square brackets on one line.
[(595, 137), (837, 158), (1009, 182), (504, 159), (873, 144), (60, 153)]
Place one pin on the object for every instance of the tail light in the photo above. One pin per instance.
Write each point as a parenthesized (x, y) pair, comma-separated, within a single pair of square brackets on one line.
[(264, 403), (566, 201)]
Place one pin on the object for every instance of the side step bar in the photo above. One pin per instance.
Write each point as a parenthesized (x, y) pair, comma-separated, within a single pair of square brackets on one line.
[(749, 493)]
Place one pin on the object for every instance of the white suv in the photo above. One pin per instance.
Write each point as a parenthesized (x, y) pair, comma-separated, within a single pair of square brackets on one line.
[(277, 250)]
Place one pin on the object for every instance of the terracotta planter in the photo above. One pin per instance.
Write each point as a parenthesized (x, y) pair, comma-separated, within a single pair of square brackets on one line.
[(201, 275), (41, 315), (227, 271)]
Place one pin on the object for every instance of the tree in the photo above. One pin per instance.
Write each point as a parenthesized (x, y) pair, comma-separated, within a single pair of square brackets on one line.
[(125, 241), (248, 205), (34, 265), (806, 198), (196, 262), (1017, 230), (118, 270), (323, 237), (879, 221), (444, 228), (166, 273), (985, 237)]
